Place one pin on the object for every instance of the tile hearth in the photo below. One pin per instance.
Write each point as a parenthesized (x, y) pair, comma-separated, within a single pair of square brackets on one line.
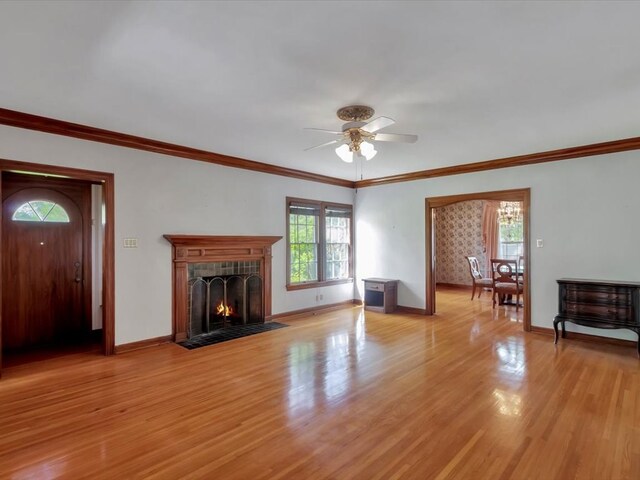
[(229, 333)]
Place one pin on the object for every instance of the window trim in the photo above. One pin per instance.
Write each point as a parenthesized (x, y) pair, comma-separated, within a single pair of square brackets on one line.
[(322, 246)]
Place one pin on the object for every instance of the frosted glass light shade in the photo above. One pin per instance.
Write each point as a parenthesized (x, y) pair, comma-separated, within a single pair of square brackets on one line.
[(368, 150), (345, 153)]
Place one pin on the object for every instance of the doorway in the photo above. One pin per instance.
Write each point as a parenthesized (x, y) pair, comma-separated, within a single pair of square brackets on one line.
[(431, 204), (46, 256)]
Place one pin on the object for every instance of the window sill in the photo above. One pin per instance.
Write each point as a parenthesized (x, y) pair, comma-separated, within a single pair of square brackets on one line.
[(328, 283)]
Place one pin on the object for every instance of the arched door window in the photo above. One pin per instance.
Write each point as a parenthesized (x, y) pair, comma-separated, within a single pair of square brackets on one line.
[(40, 211)]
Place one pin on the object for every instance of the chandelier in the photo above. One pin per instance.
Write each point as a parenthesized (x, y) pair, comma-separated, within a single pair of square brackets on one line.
[(509, 212)]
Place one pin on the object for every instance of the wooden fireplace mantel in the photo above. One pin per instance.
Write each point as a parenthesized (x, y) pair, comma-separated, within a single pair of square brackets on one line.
[(214, 248)]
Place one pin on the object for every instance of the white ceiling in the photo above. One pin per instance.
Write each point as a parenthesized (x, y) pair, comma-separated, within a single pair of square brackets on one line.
[(475, 81)]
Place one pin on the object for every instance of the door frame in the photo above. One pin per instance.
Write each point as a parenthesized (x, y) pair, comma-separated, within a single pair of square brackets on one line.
[(431, 203), (106, 180)]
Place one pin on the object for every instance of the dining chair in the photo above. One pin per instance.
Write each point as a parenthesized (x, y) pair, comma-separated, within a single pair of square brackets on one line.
[(505, 279), (520, 269), (476, 276)]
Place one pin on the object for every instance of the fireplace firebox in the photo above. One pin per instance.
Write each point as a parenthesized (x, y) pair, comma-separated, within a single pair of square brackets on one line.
[(219, 281), (224, 300)]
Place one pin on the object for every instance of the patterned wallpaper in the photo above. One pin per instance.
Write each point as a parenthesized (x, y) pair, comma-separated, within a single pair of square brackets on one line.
[(458, 234)]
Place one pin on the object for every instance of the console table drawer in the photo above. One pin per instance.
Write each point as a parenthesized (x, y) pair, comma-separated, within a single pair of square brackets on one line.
[(610, 296), (617, 314)]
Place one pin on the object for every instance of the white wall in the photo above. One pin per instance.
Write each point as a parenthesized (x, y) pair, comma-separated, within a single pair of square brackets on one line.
[(157, 194), (586, 210)]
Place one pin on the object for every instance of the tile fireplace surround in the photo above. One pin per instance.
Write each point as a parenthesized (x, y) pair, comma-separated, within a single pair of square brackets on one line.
[(190, 249)]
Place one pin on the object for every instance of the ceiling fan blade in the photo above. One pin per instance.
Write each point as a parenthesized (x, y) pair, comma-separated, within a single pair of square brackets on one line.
[(378, 124), (395, 137), (324, 144), (326, 131)]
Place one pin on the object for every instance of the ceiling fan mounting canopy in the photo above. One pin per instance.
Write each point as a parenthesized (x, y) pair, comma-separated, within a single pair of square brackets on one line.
[(355, 113)]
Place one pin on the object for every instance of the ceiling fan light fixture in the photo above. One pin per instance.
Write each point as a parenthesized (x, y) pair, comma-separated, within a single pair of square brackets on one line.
[(368, 150), (345, 153), (358, 135)]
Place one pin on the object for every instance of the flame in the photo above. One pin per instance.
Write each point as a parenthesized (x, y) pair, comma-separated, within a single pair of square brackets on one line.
[(223, 309)]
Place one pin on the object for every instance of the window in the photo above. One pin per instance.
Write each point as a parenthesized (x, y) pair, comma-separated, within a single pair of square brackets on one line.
[(511, 240), (304, 239), (40, 211), (319, 243)]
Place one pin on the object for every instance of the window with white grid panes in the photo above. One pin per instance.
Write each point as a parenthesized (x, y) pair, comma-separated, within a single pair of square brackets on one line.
[(511, 240), (319, 243), (337, 242), (303, 243)]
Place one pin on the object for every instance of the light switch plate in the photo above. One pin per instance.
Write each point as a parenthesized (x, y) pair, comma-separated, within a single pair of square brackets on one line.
[(539, 243), (130, 243)]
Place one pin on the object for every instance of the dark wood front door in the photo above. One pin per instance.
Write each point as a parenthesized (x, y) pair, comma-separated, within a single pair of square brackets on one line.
[(45, 260)]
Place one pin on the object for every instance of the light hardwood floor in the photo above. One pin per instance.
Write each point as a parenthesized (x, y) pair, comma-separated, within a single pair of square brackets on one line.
[(349, 394)]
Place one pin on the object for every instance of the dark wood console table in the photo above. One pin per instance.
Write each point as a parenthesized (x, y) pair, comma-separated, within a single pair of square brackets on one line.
[(380, 294), (599, 304)]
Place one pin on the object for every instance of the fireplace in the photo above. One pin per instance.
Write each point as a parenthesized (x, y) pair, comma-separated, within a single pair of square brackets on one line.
[(219, 281), (223, 294)]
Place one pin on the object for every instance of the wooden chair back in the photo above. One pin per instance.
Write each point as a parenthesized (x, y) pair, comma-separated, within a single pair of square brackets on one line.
[(479, 282), (474, 268), (504, 271)]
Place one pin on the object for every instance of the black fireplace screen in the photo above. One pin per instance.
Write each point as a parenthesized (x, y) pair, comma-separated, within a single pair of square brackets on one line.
[(225, 300)]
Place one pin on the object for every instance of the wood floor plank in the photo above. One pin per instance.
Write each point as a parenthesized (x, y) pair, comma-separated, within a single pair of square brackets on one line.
[(343, 395)]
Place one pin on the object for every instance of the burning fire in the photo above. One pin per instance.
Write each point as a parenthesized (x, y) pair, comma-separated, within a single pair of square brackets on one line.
[(223, 309)]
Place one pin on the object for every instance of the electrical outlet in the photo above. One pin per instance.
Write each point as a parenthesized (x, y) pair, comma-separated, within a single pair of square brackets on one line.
[(130, 243)]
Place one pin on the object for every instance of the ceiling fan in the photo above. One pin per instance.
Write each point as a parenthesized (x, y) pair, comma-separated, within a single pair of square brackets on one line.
[(357, 134)]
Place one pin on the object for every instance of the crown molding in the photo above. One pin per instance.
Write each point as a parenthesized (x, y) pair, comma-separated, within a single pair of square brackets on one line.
[(614, 146), (28, 121), (38, 123)]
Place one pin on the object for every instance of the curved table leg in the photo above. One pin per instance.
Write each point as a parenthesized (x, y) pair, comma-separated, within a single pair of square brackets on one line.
[(555, 330)]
